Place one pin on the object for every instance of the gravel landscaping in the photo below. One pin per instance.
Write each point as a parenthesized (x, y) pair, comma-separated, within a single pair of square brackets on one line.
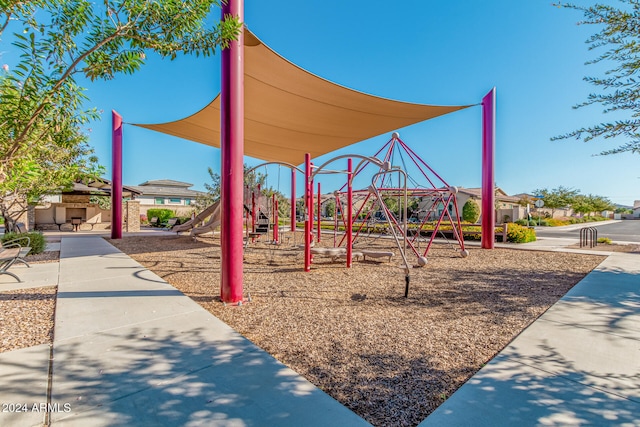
[(390, 359)]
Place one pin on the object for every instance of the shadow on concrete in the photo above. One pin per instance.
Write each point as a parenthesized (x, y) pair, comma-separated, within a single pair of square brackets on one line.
[(158, 377)]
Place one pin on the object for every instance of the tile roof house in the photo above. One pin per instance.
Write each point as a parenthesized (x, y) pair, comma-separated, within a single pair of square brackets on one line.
[(166, 193), (507, 207)]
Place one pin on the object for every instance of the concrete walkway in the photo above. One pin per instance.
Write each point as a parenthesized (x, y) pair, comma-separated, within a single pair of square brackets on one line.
[(129, 349), (578, 364)]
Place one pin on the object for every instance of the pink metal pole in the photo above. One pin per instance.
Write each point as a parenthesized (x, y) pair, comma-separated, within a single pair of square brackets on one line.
[(274, 207), (293, 200), (253, 213), (318, 214), (116, 176), (349, 212), (307, 201), (488, 177), (232, 152)]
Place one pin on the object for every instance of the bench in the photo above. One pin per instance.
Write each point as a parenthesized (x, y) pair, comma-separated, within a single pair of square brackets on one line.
[(7, 258), (170, 223), (376, 254), (335, 253), (23, 244)]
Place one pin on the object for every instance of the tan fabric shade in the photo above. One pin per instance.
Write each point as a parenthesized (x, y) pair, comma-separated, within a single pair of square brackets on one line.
[(290, 112)]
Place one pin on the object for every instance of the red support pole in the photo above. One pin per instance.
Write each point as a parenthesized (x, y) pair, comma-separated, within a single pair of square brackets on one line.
[(349, 212), (318, 221), (232, 152), (253, 213), (488, 177), (308, 197), (116, 176), (293, 200), (274, 208)]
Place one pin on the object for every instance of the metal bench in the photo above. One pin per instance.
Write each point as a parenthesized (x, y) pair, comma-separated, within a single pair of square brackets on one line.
[(23, 243), (7, 258)]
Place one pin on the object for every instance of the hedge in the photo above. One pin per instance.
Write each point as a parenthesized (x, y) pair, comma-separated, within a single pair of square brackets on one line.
[(38, 244), (163, 215), (519, 234)]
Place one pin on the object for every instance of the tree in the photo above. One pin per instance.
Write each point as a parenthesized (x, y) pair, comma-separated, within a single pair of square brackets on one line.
[(213, 191), (470, 211), (330, 208), (557, 198), (619, 90), (43, 144), (582, 205), (600, 204)]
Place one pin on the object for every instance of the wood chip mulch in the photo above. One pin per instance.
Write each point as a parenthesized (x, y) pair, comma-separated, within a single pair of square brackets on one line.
[(351, 332)]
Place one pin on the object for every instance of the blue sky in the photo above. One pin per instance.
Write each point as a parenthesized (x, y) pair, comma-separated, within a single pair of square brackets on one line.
[(420, 51)]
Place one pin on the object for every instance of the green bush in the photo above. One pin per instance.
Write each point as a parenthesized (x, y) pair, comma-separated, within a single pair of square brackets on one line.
[(519, 234), (470, 211), (38, 244), (163, 215), (604, 240)]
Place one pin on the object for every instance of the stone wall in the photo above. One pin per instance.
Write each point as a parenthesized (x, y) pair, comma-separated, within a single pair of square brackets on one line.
[(75, 198), (132, 216)]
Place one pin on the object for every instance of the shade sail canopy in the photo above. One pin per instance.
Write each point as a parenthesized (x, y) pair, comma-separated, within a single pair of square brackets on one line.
[(290, 112)]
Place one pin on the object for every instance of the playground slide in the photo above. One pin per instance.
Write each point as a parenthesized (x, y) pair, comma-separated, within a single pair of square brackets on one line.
[(198, 218), (211, 225)]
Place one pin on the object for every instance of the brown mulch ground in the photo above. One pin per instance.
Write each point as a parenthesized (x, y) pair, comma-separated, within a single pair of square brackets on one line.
[(613, 247), (26, 317), (390, 359)]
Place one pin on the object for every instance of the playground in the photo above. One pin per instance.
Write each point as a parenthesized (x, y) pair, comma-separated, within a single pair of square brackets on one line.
[(352, 332)]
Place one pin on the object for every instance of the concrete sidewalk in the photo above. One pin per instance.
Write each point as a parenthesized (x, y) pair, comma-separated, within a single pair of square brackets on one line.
[(130, 349), (578, 364)]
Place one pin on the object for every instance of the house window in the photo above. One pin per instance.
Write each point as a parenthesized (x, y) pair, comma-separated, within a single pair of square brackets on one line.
[(159, 201), (175, 201), (187, 202)]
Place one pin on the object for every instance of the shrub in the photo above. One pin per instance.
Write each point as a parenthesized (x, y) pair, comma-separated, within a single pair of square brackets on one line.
[(519, 234), (470, 211), (556, 222), (605, 240), (163, 215), (38, 244)]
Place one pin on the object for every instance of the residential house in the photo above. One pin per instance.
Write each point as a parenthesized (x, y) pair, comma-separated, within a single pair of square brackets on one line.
[(507, 207), (166, 194)]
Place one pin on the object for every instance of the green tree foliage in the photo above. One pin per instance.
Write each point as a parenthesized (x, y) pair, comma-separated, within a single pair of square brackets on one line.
[(471, 211), (581, 205), (562, 197), (619, 89), (43, 140), (591, 204), (331, 208), (557, 198), (251, 180), (213, 191)]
